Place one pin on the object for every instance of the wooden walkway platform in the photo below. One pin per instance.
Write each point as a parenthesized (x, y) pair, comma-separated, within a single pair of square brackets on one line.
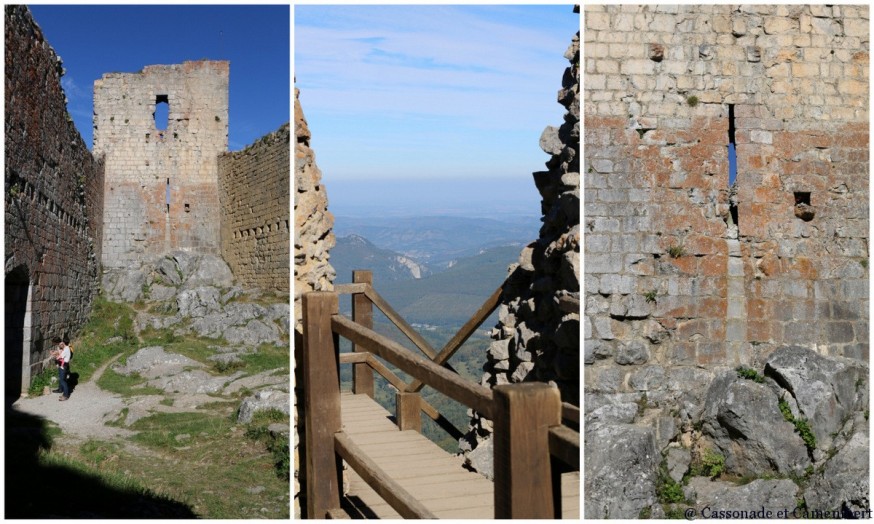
[(433, 476)]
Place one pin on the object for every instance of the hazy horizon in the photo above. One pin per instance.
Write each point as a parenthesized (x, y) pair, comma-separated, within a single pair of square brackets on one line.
[(456, 197)]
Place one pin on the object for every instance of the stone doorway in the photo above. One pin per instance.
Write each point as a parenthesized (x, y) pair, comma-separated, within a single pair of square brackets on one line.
[(17, 333)]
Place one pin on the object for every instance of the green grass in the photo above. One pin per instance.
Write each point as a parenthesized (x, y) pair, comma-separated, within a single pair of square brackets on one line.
[(91, 349), (161, 430), (276, 445), (126, 385), (41, 380)]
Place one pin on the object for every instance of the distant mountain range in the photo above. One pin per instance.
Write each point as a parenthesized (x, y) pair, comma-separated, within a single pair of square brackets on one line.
[(444, 296), (436, 241), (356, 252)]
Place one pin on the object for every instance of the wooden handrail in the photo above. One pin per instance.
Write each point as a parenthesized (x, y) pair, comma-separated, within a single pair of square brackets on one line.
[(349, 289), (530, 442), (354, 358), (564, 443), (399, 321), (391, 491), (463, 334), (570, 413), (450, 384)]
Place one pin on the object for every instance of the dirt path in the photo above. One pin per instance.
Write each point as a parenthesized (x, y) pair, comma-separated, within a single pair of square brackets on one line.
[(84, 415)]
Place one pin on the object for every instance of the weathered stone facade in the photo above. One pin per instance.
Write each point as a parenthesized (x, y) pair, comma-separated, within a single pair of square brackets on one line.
[(313, 239), (54, 199), (538, 333), (161, 184), (687, 277), (253, 195)]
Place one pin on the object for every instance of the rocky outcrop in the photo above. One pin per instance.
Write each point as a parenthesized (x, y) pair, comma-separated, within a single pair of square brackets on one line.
[(313, 223), (538, 331), (195, 293), (313, 238)]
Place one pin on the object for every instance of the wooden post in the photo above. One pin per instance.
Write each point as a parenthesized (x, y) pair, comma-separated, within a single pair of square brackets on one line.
[(362, 313), (409, 411), (321, 381), (523, 478)]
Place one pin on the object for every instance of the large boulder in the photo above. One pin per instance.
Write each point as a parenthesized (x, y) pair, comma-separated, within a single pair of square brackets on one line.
[(263, 400), (621, 465), (153, 362), (210, 271), (713, 496), (198, 302), (742, 418), (844, 483), (124, 285), (825, 388)]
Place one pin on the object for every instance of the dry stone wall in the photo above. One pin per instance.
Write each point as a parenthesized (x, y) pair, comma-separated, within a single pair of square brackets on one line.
[(161, 184), (53, 201), (688, 277), (253, 193), (313, 239)]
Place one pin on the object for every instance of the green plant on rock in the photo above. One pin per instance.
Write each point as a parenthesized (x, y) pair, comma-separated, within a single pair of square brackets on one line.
[(650, 295), (802, 425), (710, 464), (864, 263), (676, 251), (749, 374), (692, 101)]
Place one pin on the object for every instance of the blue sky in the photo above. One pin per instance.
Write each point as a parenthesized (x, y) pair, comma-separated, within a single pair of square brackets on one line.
[(431, 92), (97, 39)]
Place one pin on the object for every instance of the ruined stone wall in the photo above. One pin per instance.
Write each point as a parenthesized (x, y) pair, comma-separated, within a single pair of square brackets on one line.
[(161, 185), (313, 239), (253, 193), (669, 278), (538, 333), (53, 195), (687, 278)]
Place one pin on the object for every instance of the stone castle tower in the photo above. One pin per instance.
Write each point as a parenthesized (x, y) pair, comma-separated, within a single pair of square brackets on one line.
[(161, 188)]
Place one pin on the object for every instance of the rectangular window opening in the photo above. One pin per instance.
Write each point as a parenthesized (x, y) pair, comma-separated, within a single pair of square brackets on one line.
[(732, 168), (162, 112), (802, 197)]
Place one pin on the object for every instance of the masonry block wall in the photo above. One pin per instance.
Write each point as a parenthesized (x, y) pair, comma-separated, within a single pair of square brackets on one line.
[(681, 268), (53, 197), (161, 177), (253, 192)]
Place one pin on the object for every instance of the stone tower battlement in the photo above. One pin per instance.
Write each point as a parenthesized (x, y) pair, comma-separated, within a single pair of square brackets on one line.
[(161, 177)]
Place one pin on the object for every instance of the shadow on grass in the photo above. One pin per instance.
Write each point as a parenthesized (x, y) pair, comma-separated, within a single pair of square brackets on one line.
[(40, 487)]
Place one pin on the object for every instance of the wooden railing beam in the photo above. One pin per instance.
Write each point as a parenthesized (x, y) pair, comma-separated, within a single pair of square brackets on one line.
[(390, 490), (349, 289), (409, 411), (362, 313), (450, 384), (321, 381), (564, 443), (523, 476), (401, 324)]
